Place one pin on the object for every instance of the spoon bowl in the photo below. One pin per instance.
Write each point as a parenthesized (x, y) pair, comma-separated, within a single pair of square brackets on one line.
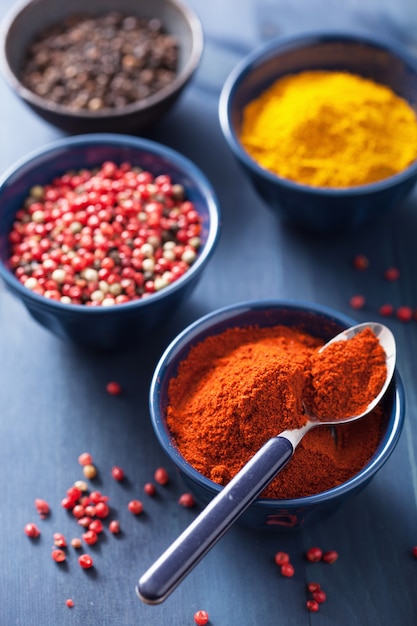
[(219, 515)]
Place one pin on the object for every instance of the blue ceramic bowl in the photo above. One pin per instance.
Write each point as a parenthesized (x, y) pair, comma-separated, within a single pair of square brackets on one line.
[(29, 18), (318, 209), (106, 327), (318, 321)]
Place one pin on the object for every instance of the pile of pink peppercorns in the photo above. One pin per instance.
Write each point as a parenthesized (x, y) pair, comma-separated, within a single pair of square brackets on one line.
[(104, 236)]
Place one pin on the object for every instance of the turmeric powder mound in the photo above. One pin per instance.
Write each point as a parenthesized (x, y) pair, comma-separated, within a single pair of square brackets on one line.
[(330, 129)]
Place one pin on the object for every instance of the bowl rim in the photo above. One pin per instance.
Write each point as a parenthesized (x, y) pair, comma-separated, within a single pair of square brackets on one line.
[(109, 113), (190, 335), (115, 139), (275, 47)]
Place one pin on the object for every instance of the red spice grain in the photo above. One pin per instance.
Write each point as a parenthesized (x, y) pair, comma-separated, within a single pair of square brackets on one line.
[(31, 530), (414, 552), (386, 310), (313, 587), (281, 557), (96, 525), (69, 602), (201, 618), (114, 526), (59, 540), (287, 570), (330, 556), (312, 605), (42, 507), (117, 473), (320, 596), (314, 554), (85, 561), (85, 521), (85, 459), (161, 476), (95, 497), (404, 313), (76, 542), (78, 511), (102, 510), (149, 489), (357, 301), (392, 273), (58, 556), (135, 507), (186, 500), (90, 537), (360, 262), (114, 388)]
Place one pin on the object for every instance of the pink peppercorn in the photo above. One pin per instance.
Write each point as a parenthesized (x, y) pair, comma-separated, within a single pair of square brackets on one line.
[(330, 556), (85, 459), (42, 507), (85, 561), (113, 388), (414, 552), (96, 525), (357, 302), (69, 603), (59, 540), (32, 531), (90, 537), (135, 507), (114, 526), (117, 472), (102, 510), (313, 606), (360, 262), (404, 314), (314, 554), (201, 618), (386, 310), (161, 476), (149, 489), (58, 556), (392, 273), (287, 570), (186, 500)]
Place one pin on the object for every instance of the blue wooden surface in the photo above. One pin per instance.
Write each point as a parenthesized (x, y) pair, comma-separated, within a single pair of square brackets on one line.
[(53, 403)]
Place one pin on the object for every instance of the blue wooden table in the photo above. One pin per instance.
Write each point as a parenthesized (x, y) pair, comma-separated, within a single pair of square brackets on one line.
[(53, 402)]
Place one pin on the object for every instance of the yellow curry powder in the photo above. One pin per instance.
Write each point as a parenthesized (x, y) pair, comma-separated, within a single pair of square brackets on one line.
[(330, 129)]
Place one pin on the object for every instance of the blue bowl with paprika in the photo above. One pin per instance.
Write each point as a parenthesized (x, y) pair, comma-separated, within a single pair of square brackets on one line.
[(103, 236), (213, 387), (325, 127)]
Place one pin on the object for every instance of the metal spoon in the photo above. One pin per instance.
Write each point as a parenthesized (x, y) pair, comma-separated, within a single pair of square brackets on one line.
[(218, 516)]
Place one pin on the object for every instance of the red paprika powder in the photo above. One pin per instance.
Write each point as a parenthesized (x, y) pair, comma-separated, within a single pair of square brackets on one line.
[(236, 390)]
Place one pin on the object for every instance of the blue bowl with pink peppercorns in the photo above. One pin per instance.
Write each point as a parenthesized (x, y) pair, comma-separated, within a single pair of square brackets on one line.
[(103, 236), (322, 322)]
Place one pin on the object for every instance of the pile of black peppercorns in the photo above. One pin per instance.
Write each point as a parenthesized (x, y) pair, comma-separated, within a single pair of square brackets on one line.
[(95, 63)]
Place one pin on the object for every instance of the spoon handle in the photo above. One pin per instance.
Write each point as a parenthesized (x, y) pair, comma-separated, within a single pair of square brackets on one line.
[(201, 535)]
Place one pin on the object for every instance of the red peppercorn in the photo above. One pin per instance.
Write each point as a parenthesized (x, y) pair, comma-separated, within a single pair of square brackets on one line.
[(330, 556), (360, 262), (78, 511), (58, 556), (392, 273), (85, 459), (414, 552), (135, 507), (69, 603), (86, 561), (404, 314), (102, 510), (281, 558), (313, 587), (59, 540), (161, 476), (320, 596), (201, 618), (114, 526), (287, 570), (42, 507), (114, 388), (90, 537), (313, 606), (314, 554), (386, 310), (96, 525), (117, 472), (357, 302), (31, 530), (149, 489), (186, 500)]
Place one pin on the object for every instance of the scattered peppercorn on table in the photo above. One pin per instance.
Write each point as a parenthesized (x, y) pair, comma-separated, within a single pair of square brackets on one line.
[(89, 498)]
